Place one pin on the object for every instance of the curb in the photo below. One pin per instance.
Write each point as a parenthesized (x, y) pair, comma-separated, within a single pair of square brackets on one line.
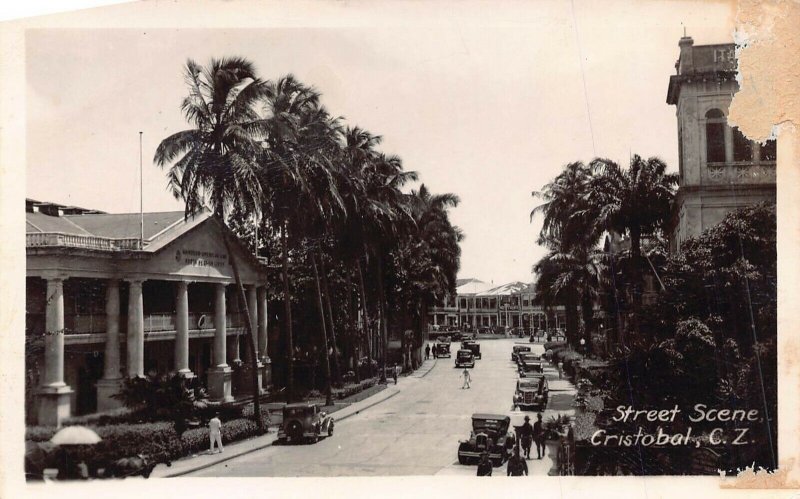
[(429, 370), (271, 442)]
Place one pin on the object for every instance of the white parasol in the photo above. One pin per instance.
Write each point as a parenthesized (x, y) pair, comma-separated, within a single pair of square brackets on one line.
[(75, 435)]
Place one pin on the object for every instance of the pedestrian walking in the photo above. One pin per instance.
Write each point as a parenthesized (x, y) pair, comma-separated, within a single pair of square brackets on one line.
[(467, 379), (394, 374), (538, 436), (526, 437), (215, 433), (516, 465), (427, 351), (485, 465)]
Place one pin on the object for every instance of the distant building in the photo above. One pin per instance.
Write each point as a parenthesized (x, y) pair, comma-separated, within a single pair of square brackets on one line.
[(104, 303), (478, 304), (720, 169)]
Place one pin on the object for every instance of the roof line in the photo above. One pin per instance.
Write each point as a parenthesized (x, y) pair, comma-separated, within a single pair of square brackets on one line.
[(78, 226)]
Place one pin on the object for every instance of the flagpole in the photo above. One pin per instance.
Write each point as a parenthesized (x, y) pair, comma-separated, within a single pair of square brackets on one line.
[(141, 196)]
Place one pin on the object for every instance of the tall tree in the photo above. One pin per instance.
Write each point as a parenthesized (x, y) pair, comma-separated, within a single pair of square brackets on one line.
[(216, 160), (635, 202)]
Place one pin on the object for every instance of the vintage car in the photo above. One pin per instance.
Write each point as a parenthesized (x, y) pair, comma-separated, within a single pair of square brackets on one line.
[(517, 349), (464, 358), (526, 356), (473, 346), (489, 434), (531, 393), (530, 366), (304, 422), (441, 349)]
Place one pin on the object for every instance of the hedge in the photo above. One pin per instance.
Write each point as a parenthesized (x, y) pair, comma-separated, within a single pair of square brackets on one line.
[(156, 440), (352, 389)]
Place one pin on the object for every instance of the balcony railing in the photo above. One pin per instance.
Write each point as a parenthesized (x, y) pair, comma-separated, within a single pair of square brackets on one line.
[(96, 323), (60, 239)]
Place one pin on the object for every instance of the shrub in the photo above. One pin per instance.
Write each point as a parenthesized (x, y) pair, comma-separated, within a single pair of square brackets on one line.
[(156, 440)]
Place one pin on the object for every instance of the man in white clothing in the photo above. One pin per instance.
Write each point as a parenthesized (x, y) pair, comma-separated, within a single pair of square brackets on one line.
[(215, 433)]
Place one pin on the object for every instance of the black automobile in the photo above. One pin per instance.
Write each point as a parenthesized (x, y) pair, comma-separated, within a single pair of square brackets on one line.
[(518, 349), (304, 422), (464, 358), (441, 349), (489, 434), (474, 346), (531, 393)]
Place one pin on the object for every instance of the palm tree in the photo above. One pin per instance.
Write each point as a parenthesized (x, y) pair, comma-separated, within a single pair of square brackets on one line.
[(216, 161), (634, 202), (570, 234)]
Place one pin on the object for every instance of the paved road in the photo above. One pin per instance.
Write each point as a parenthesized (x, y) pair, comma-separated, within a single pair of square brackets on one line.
[(413, 433)]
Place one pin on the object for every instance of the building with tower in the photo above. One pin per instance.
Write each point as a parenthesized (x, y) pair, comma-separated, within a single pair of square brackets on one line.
[(720, 169)]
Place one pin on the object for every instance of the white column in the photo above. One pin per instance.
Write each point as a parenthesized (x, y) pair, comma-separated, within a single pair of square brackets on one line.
[(263, 337), (220, 374), (182, 329), (111, 357), (220, 327), (135, 329), (54, 335), (54, 394), (252, 307), (111, 382)]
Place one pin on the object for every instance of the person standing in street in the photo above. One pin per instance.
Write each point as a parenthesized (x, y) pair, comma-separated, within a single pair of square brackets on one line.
[(215, 433), (538, 436), (516, 465), (394, 374), (526, 437), (485, 465), (467, 379), (560, 368), (427, 351)]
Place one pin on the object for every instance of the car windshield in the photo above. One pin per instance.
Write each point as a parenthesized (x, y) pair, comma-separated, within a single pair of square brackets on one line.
[(528, 356), (479, 424), (522, 349), (462, 353)]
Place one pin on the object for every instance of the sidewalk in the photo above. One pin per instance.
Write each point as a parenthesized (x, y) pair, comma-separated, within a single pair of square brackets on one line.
[(233, 450)]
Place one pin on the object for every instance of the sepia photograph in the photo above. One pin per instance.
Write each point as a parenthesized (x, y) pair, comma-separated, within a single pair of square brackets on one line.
[(396, 239)]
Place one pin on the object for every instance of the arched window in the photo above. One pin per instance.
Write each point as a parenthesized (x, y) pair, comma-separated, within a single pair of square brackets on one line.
[(715, 136)]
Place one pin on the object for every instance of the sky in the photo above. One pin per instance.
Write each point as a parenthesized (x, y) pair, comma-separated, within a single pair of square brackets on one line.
[(487, 102)]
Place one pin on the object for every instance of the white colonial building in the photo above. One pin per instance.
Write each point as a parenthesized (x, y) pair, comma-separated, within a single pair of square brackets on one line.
[(107, 303)]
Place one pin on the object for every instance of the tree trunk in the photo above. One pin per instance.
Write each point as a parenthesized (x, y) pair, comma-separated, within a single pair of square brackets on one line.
[(571, 312), (287, 305), (365, 316), (249, 328), (328, 392), (337, 373), (588, 319), (352, 312), (384, 329), (636, 279)]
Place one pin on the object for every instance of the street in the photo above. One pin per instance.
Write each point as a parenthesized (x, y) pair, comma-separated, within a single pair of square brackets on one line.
[(415, 432)]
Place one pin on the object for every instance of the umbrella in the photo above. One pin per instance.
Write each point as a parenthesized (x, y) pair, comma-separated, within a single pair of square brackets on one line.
[(75, 435)]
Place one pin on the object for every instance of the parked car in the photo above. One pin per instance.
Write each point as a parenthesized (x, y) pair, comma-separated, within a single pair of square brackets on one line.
[(531, 393), (530, 367), (517, 349), (473, 346), (441, 349), (464, 358), (489, 434), (456, 336), (526, 356), (304, 422)]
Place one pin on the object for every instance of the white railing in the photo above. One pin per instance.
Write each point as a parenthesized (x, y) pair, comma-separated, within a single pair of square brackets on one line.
[(159, 322), (44, 239)]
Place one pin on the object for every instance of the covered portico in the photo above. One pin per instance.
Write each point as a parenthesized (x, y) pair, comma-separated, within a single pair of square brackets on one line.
[(163, 303)]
